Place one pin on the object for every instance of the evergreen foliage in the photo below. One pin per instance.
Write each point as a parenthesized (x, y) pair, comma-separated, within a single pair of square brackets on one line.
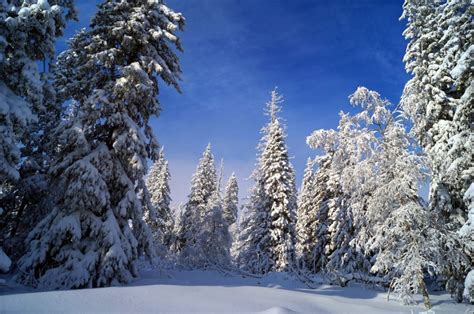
[(95, 230)]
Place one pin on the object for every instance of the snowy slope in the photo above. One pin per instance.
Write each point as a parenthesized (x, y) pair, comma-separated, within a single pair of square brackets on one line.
[(211, 292)]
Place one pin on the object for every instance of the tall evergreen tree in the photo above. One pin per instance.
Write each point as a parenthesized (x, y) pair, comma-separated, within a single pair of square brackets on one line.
[(267, 237), (230, 208), (160, 218), (203, 237), (342, 149), (399, 224), (203, 186), (213, 239), (253, 242), (279, 185), (438, 100), (231, 200), (305, 218), (178, 229), (322, 194), (95, 230), (378, 173), (28, 31), (467, 235)]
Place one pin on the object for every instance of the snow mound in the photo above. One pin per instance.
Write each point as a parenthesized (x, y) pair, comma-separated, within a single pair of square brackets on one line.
[(277, 310)]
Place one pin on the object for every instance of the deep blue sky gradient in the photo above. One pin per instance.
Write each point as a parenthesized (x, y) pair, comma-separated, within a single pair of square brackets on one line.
[(237, 51)]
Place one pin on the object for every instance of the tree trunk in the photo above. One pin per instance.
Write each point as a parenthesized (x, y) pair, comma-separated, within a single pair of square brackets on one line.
[(424, 292)]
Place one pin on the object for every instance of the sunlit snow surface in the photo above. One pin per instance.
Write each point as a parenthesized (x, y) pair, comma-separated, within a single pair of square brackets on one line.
[(213, 292)]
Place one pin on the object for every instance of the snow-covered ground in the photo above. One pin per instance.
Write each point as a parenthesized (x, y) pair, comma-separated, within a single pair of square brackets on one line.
[(212, 292)]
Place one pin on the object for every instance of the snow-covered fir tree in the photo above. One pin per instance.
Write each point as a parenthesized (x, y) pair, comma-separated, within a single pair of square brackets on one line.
[(203, 186), (95, 231), (230, 207), (253, 240), (344, 259), (406, 237), (467, 235), (203, 237), (342, 150), (230, 202), (28, 31), (306, 219), (317, 260), (279, 186), (408, 244), (160, 218), (268, 231), (154, 187), (178, 229), (213, 240), (438, 100), (399, 222), (381, 184)]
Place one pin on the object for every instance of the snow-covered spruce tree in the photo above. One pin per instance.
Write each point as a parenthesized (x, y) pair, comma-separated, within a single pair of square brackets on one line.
[(438, 100), (153, 184), (401, 233), (230, 208), (160, 218), (399, 223), (344, 258), (95, 230), (268, 233), (306, 219), (27, 199), (253, 240), (178, 229), (408, 245), (230, 202), (28, 30), (467, 235), (203, 186), (279, 185), (15, 116), (342, 149), (320, 202), (213, 239), (203, 236)]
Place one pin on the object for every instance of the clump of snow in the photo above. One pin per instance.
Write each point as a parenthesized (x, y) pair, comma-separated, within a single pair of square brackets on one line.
[(43, 4), (464, 63), (469, 286)]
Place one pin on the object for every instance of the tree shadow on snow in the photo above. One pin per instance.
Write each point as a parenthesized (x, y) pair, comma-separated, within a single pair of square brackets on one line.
[(201, 278), (272, 280)]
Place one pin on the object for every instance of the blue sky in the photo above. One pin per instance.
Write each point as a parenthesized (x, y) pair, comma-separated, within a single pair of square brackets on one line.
[(237, 51)]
